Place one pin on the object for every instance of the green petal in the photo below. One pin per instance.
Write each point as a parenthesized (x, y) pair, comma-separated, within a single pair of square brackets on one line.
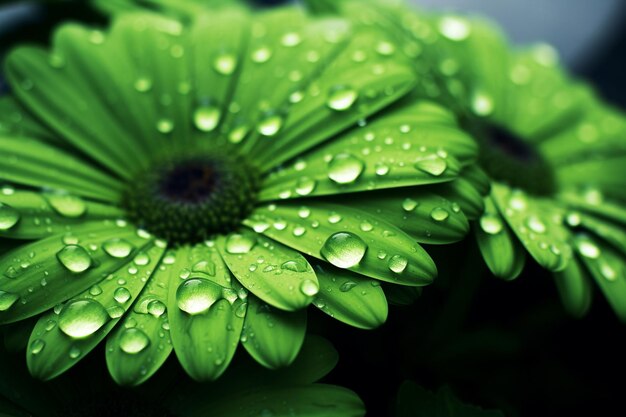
[(606, 174), (141, 343), (537, 224), (574, 288), (396, 150), (377, 82), (16, 121), (35, 275), (271, 336), (52, 351), (40, 215), (33, 163), (400, 295), (275, 273), (204, 342), (609, 232), (608, 270), (499, 247), (374, 247), (593, 202), (304, 401), (350, 298), (463, 192)]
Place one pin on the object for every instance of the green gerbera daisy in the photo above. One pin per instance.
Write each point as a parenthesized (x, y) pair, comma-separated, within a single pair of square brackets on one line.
[(556, 154), (189, 187), (245, 390)]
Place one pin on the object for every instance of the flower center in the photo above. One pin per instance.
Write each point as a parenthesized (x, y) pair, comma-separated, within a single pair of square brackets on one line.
[(187, 200), (507, 157)]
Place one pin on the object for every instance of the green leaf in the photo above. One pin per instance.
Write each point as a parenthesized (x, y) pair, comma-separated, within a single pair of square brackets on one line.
[(399, 149), (271, 336), (131, 361), (36, 164), (607, 268), (415, 401), (204, 341), (537, 224), (46, 214), (35, 275), (305, 401), (367, 245), (65, 335), (500, 249), (574, 288), (16, 121), (275, 273), (350, 298)]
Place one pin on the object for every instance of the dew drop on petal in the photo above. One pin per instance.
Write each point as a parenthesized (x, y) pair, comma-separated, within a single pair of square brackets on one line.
[(347, 286), (309, 287), (270, 125), (156, 308), (143, 84), (588, 249), (535, 224), (133, 341), (117, 248), (397, 263), (197, 295), (74, 258), (439, 214), (341, 98), (344, 249), (37, 346), (296, 265), (345, 168), (206, 118), (8, 217), (431, 164), (491, 224), (409, 204), (165, 126), (82, 318), (121, 295), (239, 244), (67, 205), (454, 28), (225, 64)]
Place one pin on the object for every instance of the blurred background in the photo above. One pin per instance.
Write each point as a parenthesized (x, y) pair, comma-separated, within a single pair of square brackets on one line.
[(500, 345)]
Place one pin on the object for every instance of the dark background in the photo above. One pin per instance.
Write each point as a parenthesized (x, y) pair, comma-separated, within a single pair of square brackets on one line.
[(496, 344)]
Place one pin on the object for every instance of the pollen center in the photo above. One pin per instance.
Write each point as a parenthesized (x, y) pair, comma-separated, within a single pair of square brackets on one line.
[(188, 200)]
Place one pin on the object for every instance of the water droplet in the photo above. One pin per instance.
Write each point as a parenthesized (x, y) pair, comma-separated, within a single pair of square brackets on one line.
[(454, 28), (366, 226), (197, 295), (345, 168), (588, 249), (439, 214), (305, 186), (344, 249), (608, 272), (297, 265), (239, 244), (342, 98), (225, 64), (7, 300), (535, 224), (82, 318), (309, 287), (121, 295), (205, 267), (431, 164), (409, 204), (291, 39), (270, 125), (156, 308), (491, 224), (133, 341), (37, 346), (482, 104), (397, 263), (385, 48), (165, 126), (206, 118), (261, 55), (8, 217), (117, 248), (347, 286), (143, 84), (241, 310), (75, 258)]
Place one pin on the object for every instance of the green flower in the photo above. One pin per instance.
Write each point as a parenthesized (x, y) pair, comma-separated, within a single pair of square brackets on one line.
[(189, 187), (555, 154), (245, 390)]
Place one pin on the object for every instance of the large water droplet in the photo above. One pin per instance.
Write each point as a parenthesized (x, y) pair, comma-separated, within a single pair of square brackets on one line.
[(225, 64), (397, 263), (341, 98), (344, 249), (482, 104), (37, 346), (156, 308), (121, 295), (197, 295), (454, 28), (133, 340), (535, 224), (431, 164), (439, 214), (206, 118), (8, 217), (7, 300), (588, 249), (309, 287), (491, 224), (239, 244), (117, 248), (345, 168), (296, 265), (270, 125), (75, 258), (82, 318)]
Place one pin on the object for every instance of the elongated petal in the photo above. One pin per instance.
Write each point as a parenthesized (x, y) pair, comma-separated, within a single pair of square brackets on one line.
[(63, 337), (40, 275), (38, 215), (275, 273), (348, 238), (574, 288), (16, 121), (271, 336), (350, 298)]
